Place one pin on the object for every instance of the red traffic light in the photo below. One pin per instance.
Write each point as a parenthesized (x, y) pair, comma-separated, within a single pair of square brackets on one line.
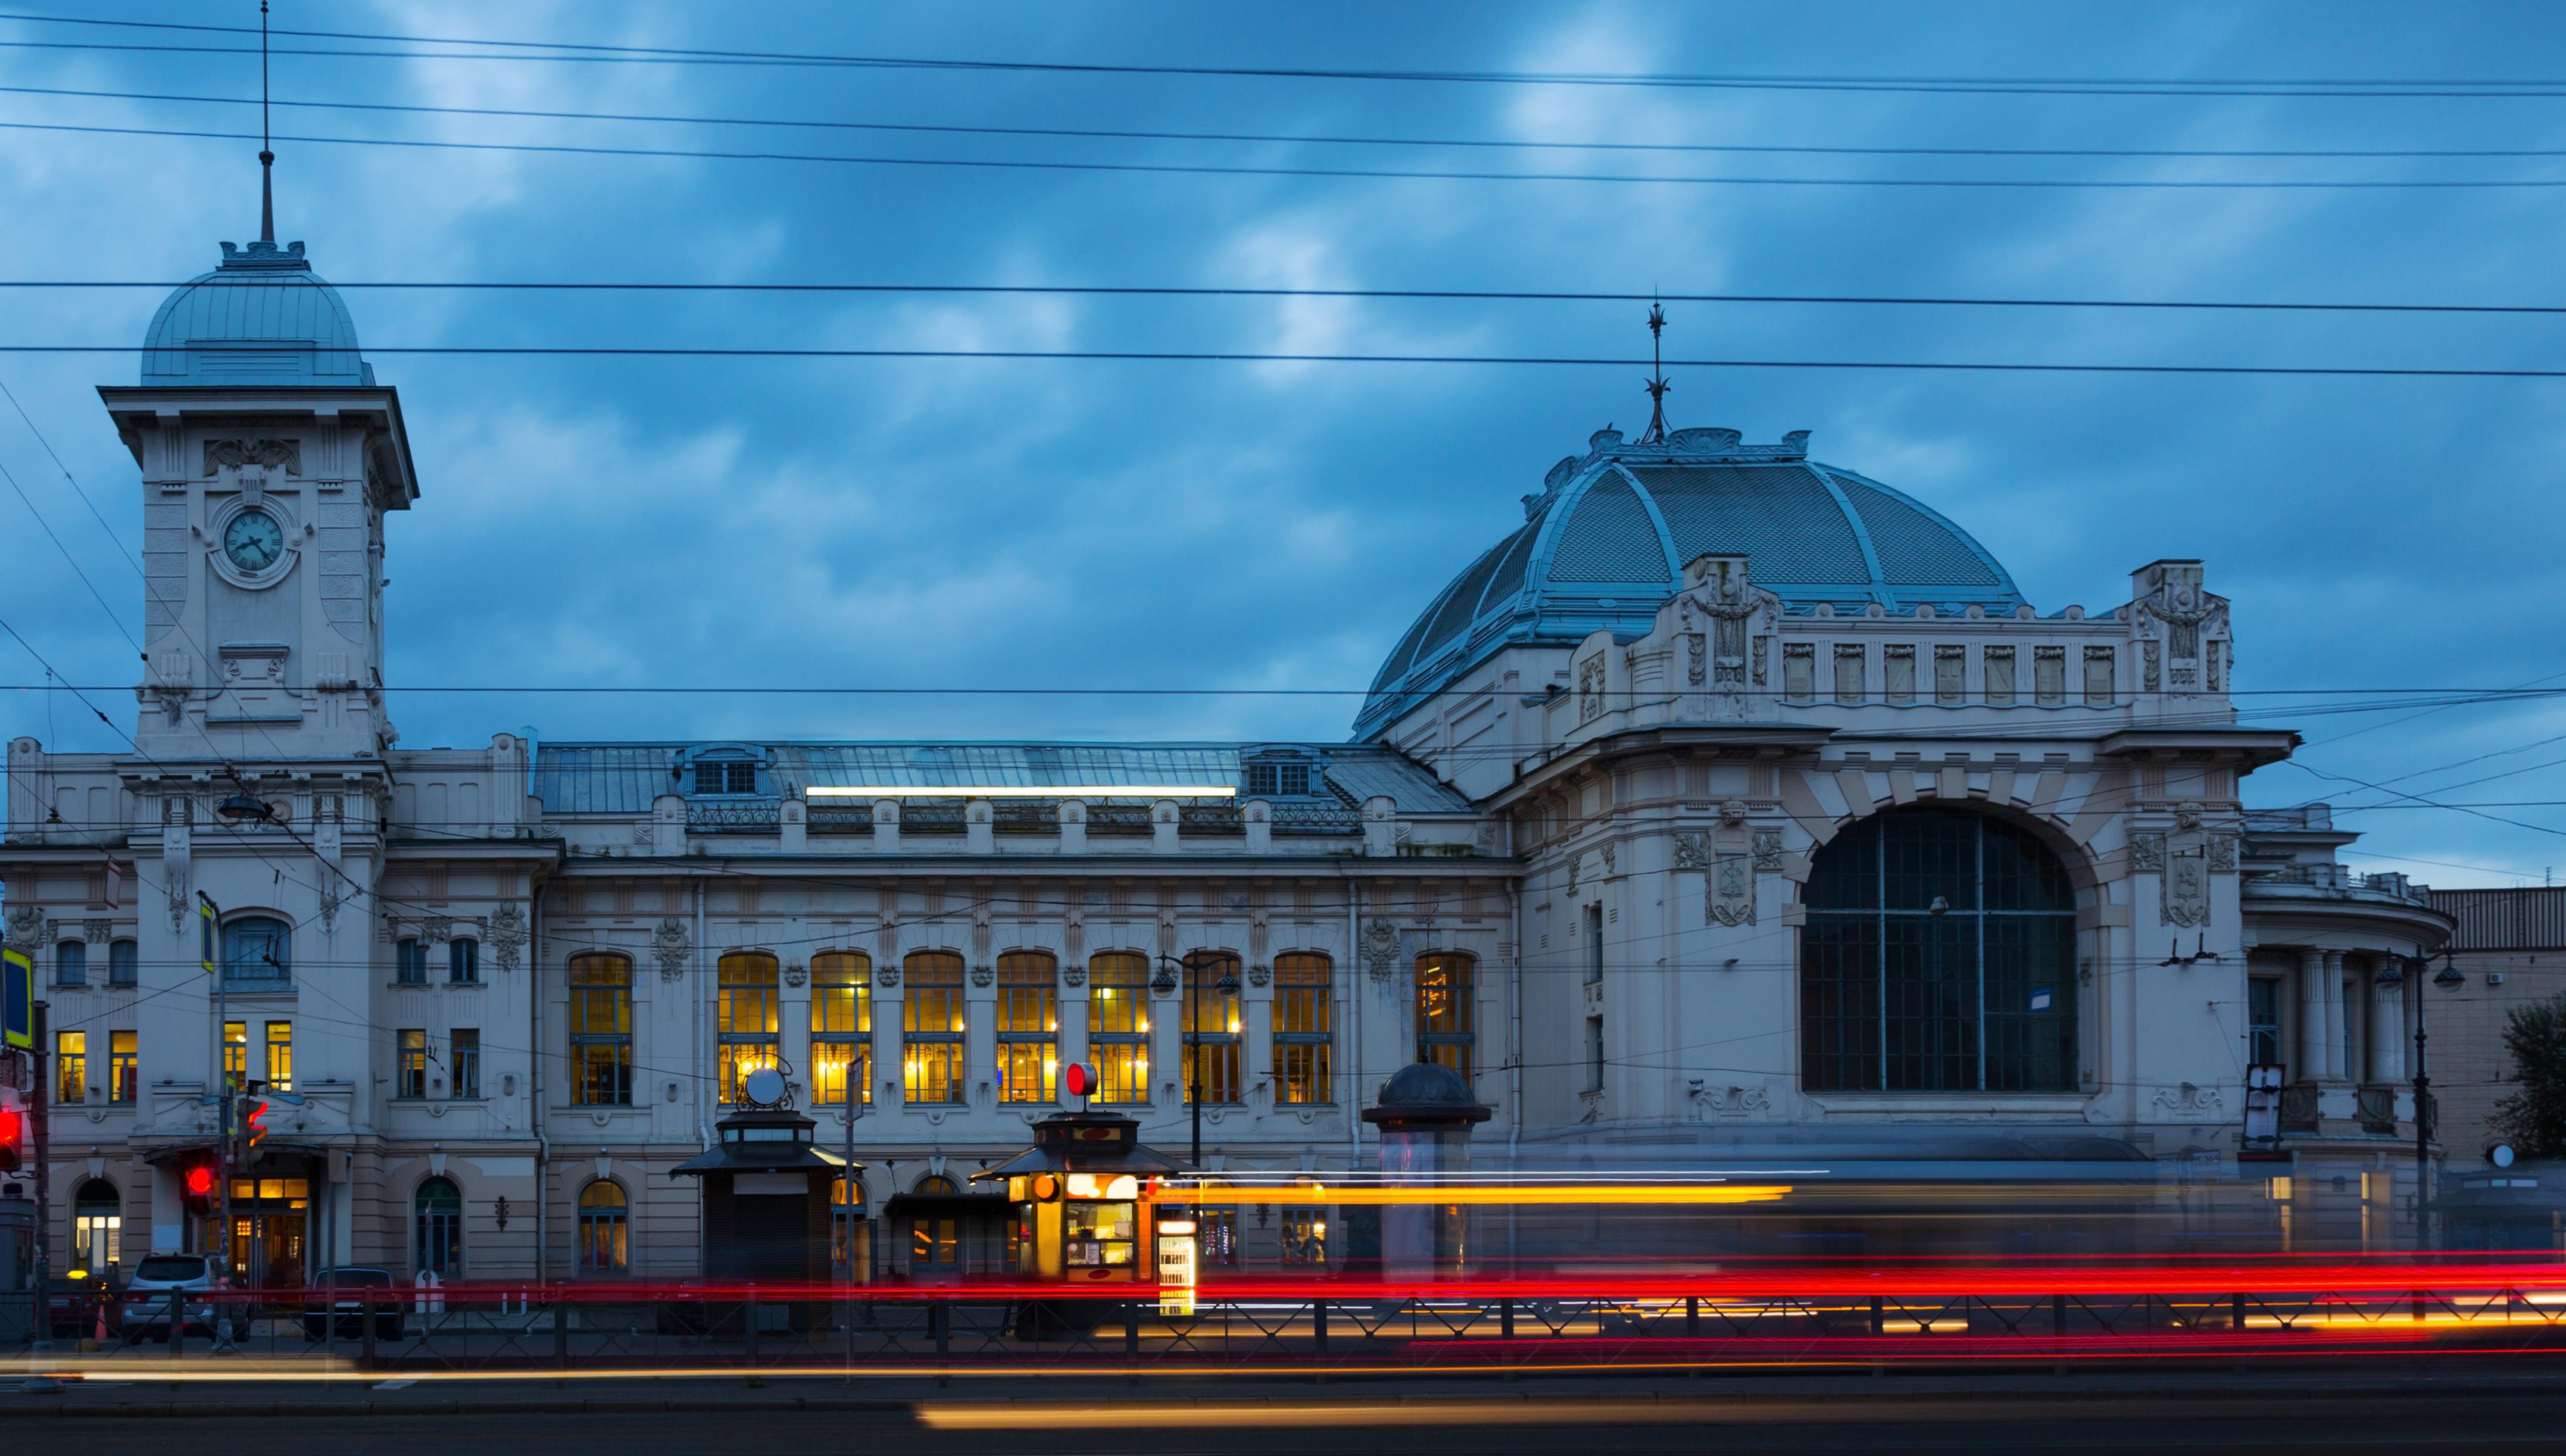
[(200, 1180), (13, 1125), (1077, 1079), (256, 1122)]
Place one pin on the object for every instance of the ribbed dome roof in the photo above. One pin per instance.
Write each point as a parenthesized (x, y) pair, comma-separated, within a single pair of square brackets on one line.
[(1603, 543), (262, 318)]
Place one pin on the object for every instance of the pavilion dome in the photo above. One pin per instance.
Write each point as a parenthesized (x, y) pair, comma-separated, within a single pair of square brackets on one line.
[(1605, 541), (261, 317)]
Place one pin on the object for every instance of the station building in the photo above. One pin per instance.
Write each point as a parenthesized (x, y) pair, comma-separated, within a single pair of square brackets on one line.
[(1735, 806)]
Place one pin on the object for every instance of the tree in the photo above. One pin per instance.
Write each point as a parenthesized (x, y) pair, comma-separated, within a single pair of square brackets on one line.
[(2533, 1119)]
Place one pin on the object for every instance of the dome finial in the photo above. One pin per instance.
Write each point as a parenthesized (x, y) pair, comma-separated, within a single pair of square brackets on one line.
[(266, 150), (1655, 434)]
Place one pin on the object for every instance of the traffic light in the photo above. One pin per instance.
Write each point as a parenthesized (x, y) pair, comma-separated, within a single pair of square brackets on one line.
[(197, 1181), (14, 1132), (253, 1127)]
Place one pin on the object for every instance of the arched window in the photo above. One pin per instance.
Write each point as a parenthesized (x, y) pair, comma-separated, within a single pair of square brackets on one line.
[(931, 1026), (936, 1185), (603, 1230), (842, 1026), (1447, 1011), (747, 987), (1118, 1025), (98, 1226), (440, 1207), (600, 1029), (257, 948), (1028, 1026), (1304, 1017), (1211, 1027), (1939, 954)]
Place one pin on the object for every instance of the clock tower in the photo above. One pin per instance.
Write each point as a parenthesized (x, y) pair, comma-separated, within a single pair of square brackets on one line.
[(269, 459)]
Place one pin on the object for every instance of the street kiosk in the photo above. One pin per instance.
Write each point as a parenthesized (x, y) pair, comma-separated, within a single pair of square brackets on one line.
[(766, 1191)]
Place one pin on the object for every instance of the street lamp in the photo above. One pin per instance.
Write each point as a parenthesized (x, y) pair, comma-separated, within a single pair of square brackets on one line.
[(1227, 985)]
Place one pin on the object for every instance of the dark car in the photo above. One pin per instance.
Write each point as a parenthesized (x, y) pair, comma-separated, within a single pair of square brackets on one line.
[(337, 1299)]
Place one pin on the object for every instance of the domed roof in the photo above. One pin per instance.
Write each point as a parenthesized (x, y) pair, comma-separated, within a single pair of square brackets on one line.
[(1605, 541), (262, 318), (1425, 1091)]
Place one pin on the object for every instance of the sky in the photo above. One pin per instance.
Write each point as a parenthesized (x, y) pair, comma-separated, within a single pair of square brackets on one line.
[(1151, 524)]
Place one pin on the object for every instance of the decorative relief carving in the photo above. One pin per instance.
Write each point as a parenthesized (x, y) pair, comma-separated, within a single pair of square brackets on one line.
[(2148, 665), (1730, 894), (2147, 854), (238, 454), (1732, 813), (1380, 949), (509, 928), (97, 932), (1696, 670), (1608, 862), (794, 974), (24, 921), (671, 948), (1768, 850), (2185, 888), (333, 895), (1692, 851), (1736, 1101), (982, 975), (642, 836), (1590, 688), (2191, 1099), (2186, 816), (2222, 854), (1258, 974), (176, 886), (888, 977), (1076, 974)]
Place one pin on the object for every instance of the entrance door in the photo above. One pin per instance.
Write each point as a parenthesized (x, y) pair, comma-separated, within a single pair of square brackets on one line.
[(267, 1252)]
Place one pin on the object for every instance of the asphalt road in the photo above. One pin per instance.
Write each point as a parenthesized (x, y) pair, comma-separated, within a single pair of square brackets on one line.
[(1482, 1424)]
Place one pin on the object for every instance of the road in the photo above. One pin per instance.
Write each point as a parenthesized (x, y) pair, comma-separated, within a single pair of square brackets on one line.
[(1485, 1422)]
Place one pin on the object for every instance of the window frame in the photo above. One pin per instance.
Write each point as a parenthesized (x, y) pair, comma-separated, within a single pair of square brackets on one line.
[(279, 968), (2261, 1032), (71, 1067), (852, 971), (1304, 1022), (463, 1075), (1028, 990), (1220, 1052), (604, 1225), (931, 1056), (71, 963), (123, 961), (1456, 1042), (124, 1067), (748, 990), (409, 961), (443, 1223), (464, 961), (1896, 997), (410, 1063), (278, 1078), (593, 1050), (1120, 1052)]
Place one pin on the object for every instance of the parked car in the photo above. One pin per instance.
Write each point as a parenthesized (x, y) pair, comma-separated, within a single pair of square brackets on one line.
[(199, 1277), (336, 1299)]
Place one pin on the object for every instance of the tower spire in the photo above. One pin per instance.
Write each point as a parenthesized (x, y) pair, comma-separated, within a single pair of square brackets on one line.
[(1656, 385), (266, 151)]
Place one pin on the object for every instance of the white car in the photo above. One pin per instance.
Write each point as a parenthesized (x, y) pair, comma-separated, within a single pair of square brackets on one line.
[(199, 1277)]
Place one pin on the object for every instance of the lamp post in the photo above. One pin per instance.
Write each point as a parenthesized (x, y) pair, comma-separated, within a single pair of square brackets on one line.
[(238, 808), (1227, 985)]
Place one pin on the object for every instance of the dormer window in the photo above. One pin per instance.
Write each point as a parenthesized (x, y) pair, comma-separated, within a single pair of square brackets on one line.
[(725, 776), (1283, 778)]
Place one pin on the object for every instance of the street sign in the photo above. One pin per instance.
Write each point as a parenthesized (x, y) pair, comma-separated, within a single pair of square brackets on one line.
[(17, 1000), (205, 944), (115, 884)]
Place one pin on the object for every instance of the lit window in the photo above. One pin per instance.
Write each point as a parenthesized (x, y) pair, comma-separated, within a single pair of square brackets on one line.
[(1028, 1027), (602, 1229), (236, 1052), (1304, 1035), (71, 1067), (1305, 1237), (98, 1226), (409, 1076), (931, 1027), (1447, 1011), (842, 1026), (1118, 1025), (746, 1018), (280, 1056), (124, 1067), (1211, 1027)]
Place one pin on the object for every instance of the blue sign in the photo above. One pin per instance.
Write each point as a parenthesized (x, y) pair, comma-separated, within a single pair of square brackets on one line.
[(17, 1000)]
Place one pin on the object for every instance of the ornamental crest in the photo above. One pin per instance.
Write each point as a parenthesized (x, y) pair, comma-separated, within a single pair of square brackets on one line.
[(509, 928), (1380, 949), (1730, 894), (669, 948)]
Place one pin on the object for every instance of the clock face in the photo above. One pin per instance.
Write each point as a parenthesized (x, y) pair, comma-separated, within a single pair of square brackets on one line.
[(253, 541)]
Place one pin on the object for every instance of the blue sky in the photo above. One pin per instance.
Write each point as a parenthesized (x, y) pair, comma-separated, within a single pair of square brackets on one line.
[(1277, 526)]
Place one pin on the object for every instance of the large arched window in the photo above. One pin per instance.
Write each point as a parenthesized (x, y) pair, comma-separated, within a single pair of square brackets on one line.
[(603, 1230), (439, 1209), (747, 1018), (257, 948), (600, 1029), (1938, 955), (1447, 1011)]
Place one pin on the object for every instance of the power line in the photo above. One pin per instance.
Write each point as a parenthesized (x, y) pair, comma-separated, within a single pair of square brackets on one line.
[(1463, 295), (1500, 143), (1372, 173), (576, 51), (1141, 356)]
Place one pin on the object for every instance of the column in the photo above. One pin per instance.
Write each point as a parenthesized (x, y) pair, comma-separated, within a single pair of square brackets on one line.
[(980, 1037), (2312, 1017), (2331, 980), (2388, 1022)]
